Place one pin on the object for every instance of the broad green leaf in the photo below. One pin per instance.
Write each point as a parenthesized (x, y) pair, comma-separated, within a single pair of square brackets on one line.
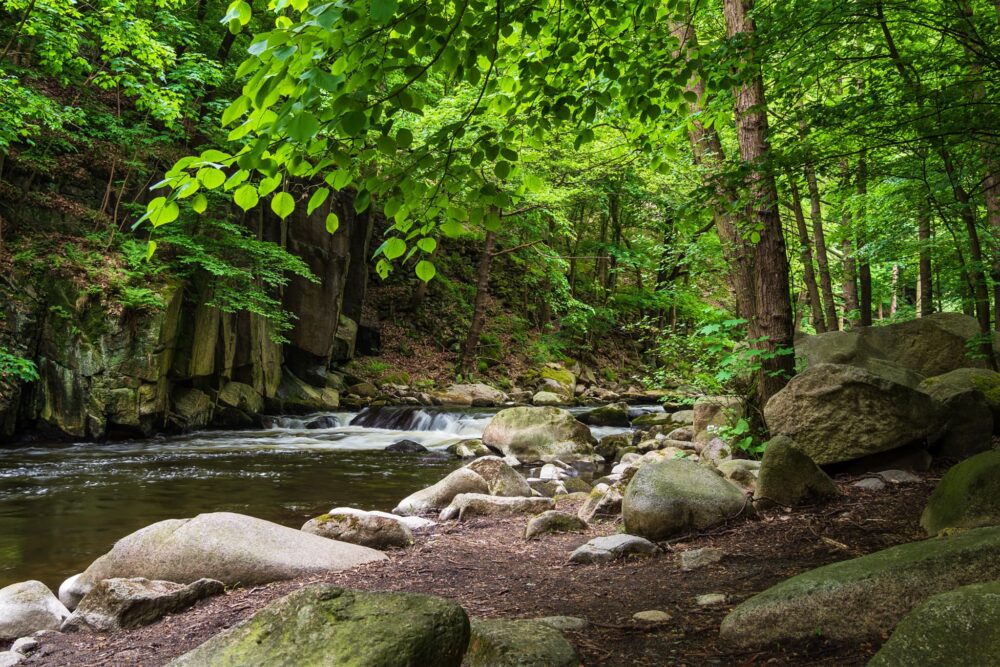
[(427, 244), (332, 223), (199, 204), (425, 270), (303, 127), (150, 249), (354, 122), (246, 197), (404, 139), (269, 185), (283, 204), (317, 200), (382, 10), (211, 177), (394, 247), (165, 214)]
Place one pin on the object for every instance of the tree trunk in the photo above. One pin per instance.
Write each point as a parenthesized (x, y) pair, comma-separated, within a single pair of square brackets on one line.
[(819, 236), (925, 305), (479, 306), (707, 151), (805, 255), (864, 268), (771, 327)]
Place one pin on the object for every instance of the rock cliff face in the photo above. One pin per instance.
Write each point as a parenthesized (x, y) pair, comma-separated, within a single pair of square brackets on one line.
[(185, 365)]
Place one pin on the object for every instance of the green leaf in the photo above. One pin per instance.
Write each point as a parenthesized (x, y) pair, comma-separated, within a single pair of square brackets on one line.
[(332, 223), (199, 204), (393, 248), (427, 244), (235, 110), (164, 214), (404, 139), (425, 270), (150, 249), (317, 200), (269, 185), (382, 10), (354, 122), (246, 197), (283, 204), (211, 177), (303, 127)]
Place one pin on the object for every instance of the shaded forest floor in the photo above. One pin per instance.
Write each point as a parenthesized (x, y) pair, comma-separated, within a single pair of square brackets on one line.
[(487, 566)]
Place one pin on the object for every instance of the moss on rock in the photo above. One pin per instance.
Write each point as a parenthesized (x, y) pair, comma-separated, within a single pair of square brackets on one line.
[(968, 496)]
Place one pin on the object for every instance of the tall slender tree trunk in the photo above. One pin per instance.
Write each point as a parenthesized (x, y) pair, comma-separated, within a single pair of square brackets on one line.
[(864, 268), (925, 286), (479, 306), (708, 154), (771, 326), (805, 255), (819, 236)]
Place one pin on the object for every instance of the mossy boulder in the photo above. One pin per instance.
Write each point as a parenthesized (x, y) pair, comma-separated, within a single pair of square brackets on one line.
[(519, 643), (789, 477), (968, 496), (535, 434), (614, 414), (609, 445), (837, 413), (553, 521), (296, 396), (960, 628), (677, 496), (970, 416), (558, 379), (865, 597), (326, 625), (467, 395)]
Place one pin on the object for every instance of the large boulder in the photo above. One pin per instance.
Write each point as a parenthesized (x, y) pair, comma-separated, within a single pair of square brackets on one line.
[(542, 398), (714, 412), (117, 604), (501, 479), (233, 548), (789, 477), (376, 531), (518, 643), (926, 347), (540, 434), (437, 496), (327, 625), (27, 607), (467, 505), (837, 413), (960, 628), (467, 395), (677, 496), (970, 415), (864, 597), (557, 379), (968, 496)]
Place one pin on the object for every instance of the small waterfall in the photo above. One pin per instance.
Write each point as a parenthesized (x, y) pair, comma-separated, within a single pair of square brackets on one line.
[(410, 419), (310, 422)]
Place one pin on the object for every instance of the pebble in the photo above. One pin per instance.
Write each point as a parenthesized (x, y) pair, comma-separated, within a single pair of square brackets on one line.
[(651, 616), (710, 599)]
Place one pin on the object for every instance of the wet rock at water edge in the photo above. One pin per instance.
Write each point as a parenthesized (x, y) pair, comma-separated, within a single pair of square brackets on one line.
[(613, 547), (232, 548), (518, 643), (364, 528), (553, 521), (406, 447), (439, 495), (501, 479), (27, 607), (119, 604), (372, 629), (540, 434)]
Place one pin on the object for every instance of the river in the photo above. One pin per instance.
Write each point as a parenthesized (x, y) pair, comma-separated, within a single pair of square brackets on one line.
[(62, 506)]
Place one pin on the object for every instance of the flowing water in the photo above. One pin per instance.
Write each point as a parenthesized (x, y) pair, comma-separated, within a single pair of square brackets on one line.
[(63, 506)]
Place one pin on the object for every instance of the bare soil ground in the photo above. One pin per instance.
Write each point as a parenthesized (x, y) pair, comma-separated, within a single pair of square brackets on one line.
[(487, 566)]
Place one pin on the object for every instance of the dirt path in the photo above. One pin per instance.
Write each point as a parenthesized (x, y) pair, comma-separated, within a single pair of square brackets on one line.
[(488, 567)]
